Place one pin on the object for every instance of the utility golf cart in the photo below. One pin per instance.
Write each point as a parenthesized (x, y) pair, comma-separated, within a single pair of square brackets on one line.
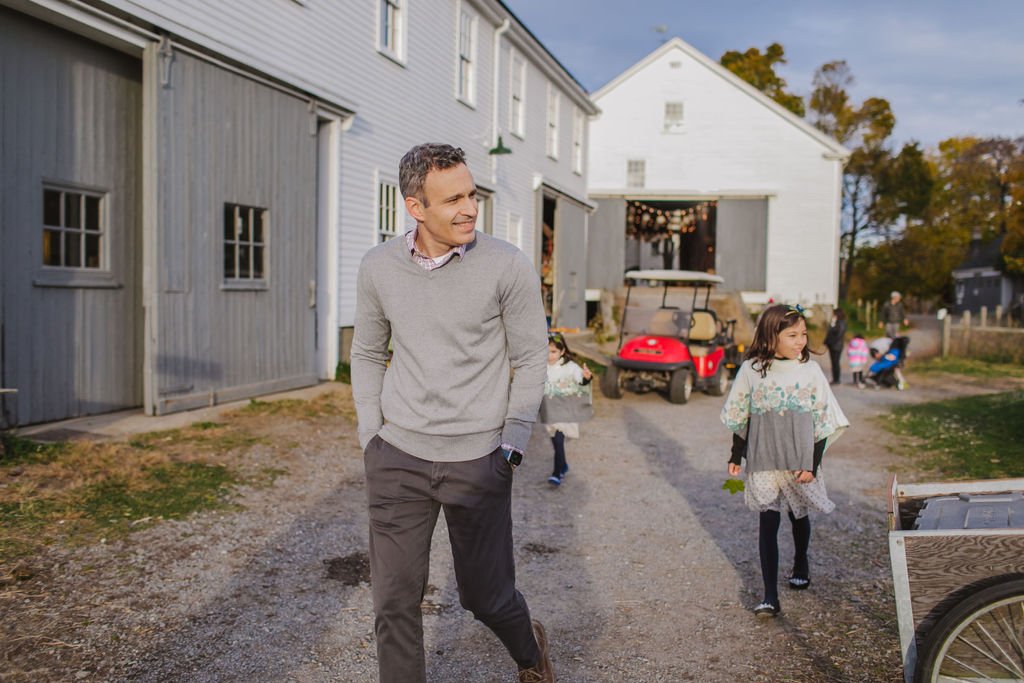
[(669, 348)]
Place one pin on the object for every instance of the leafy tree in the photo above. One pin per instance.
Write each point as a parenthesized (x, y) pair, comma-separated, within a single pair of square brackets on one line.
[(881, 190), (758, 69), (1013, 244), (977, 190)]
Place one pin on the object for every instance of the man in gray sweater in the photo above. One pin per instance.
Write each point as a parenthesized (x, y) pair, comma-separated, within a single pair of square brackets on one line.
[(441, 422)]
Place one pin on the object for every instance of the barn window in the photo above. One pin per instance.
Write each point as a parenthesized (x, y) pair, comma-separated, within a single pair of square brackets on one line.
[(673, 117), (517, 92), (577, 141), (390, 37), (73, 228), (245, 242), (387, 211), (467, 58), (635, 172), (554, 102)]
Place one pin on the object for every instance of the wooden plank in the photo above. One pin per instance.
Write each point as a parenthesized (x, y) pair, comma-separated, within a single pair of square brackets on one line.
[(224, 138), (71, 336), (942, 569)]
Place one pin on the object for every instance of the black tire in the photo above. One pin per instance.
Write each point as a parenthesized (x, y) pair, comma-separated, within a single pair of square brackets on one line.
[(720, 382), (981, 620), (611, 383), (680, 386)]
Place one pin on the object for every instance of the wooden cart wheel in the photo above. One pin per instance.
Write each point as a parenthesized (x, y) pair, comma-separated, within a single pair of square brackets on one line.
[(980, 639)]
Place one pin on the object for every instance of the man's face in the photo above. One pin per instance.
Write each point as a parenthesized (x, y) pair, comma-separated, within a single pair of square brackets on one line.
[(447, 213)]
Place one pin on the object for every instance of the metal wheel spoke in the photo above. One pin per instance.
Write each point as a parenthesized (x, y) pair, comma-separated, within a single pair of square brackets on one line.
[(986, 653), (1009, 664), (984, 676), (1009, 631)]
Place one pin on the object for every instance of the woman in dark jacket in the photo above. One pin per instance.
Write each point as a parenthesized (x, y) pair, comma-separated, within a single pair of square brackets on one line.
[(835, 340)]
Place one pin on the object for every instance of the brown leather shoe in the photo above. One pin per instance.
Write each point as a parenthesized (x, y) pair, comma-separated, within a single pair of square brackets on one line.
[(542, 673)]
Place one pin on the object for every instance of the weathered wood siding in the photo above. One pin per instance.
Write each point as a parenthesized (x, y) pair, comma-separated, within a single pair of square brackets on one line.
[(741, 234), (606, 258), (329, 48), (570, 264), (944, 569), (223, 138), (70, 113)]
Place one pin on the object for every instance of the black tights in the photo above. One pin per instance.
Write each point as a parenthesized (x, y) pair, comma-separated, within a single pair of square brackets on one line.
[(558, 441), (768, 545)]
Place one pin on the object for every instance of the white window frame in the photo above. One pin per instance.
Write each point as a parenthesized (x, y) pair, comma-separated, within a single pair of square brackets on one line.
[(391, 29), (465, 58), (515, 230), (257, 249), (636, 172), (674, 113), (65, 232), (517, 95), (389, 207), (578, 127), (554, 109), (484, 211)]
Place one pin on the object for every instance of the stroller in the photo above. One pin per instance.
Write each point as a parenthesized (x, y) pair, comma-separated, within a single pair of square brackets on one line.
[(885, 371)]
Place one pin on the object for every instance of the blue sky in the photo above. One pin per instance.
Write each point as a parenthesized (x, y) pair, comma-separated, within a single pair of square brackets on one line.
[(947, 67)]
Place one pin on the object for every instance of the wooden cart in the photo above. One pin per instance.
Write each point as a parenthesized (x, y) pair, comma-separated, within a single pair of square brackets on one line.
[(959, 592)]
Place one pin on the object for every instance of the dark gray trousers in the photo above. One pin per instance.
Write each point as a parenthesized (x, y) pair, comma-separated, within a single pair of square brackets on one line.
[(405, 495)]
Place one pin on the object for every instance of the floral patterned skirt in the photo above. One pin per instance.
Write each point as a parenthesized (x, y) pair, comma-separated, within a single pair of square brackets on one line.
[(570, 429), (779, 490)]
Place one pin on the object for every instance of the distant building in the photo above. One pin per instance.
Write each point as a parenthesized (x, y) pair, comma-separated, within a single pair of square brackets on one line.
[(188, 187), (980, 281), (729, 181)]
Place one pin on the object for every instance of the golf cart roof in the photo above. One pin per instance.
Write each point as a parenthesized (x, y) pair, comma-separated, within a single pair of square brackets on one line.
[(681, 277)]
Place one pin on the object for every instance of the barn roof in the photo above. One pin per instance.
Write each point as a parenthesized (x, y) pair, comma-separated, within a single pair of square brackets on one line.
[(832, 146)]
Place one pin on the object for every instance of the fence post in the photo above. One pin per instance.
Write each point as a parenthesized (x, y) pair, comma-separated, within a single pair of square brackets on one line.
[(946, 325), (984, 316), (999, 314), (965, 323)]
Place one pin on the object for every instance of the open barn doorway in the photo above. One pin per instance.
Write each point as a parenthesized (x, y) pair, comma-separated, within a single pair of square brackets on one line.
[(670, 234)]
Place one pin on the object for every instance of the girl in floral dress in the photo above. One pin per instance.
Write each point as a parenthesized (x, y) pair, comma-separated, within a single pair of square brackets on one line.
[(783, 416), (567, 401)]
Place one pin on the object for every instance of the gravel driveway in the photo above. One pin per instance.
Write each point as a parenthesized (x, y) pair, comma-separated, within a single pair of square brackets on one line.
[(641, 567)]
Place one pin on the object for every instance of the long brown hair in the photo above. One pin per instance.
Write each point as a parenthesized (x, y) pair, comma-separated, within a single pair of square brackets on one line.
[(772, 322), (558, 341)]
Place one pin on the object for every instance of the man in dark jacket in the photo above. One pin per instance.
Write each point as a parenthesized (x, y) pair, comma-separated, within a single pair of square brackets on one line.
[(835, 340), (893, 315)]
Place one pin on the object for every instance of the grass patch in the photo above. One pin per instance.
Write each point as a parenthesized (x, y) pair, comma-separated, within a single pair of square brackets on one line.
[(343, 373), (329, 404), (16, 451), (170, 491), (971, 367), (78, 492), (209, 437), (975, 437)]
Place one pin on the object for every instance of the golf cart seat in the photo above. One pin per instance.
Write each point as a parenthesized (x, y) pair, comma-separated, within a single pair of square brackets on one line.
[(703, 327), (661, 322)]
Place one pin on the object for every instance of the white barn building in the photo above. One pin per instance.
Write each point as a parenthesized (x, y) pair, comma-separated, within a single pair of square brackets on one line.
[(189, 187), (734, 183)]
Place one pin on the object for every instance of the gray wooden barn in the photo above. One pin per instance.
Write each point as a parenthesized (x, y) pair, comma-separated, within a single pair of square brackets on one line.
[(187, 188)]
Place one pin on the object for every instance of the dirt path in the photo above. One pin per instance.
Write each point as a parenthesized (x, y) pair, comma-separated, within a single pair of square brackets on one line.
[(641, 567)]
